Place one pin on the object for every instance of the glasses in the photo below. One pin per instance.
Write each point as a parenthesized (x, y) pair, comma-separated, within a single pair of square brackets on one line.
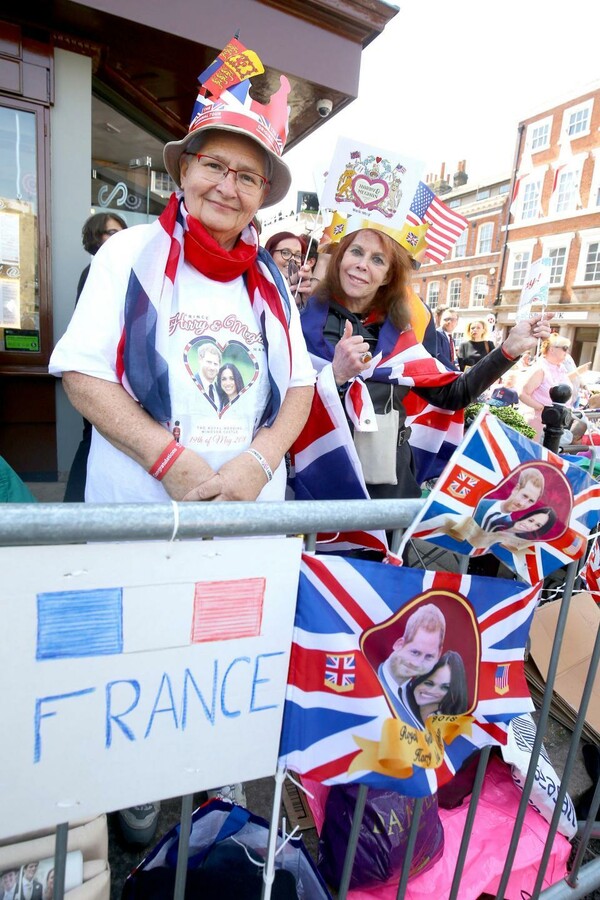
[(561, 347), (288, 254), (216, 171)]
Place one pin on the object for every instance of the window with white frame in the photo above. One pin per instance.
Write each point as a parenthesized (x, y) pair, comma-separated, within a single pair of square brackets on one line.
[(565, 197), (531, 199), (588, 264), (577, 119), (454, 292), (484, 237), (433, 294), (460, 247), (592, 263), (479, 290), (558, 261), (520, 263), (556, 248), (538, 134)]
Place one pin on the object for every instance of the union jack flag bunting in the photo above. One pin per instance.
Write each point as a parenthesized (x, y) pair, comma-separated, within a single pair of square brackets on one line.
[(352, 617), (505, 494)]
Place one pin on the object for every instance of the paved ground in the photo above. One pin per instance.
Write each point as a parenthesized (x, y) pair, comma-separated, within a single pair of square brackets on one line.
[(260, 793)]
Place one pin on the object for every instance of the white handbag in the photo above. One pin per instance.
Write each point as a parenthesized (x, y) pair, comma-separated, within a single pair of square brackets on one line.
[(376, 450)]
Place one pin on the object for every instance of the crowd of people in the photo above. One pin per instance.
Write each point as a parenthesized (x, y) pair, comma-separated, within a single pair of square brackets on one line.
[(200, 331)]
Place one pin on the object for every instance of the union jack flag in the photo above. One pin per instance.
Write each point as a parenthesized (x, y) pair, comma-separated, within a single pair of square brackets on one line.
[(340, 672), (534, 530), (325, 462), (352, 607)]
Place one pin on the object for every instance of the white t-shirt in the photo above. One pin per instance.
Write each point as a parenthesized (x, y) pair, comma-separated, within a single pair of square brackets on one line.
[(206, 315)]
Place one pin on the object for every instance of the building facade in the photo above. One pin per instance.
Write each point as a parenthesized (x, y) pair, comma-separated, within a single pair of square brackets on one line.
[(468, 279), (88, 96), (555, 213), (549, 207)]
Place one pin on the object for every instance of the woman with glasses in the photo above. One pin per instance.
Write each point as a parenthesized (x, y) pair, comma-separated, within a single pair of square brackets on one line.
[(552, 368), (289, 253), (157, 293)]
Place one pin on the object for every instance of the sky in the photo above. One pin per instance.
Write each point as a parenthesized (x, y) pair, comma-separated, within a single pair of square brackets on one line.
[(451, 81)]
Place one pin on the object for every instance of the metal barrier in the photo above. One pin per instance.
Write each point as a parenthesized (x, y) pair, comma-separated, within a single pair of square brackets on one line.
[(42, 524)]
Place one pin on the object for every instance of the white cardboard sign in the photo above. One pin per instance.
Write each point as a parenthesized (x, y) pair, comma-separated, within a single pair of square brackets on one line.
[(141, 671), (371, 183)]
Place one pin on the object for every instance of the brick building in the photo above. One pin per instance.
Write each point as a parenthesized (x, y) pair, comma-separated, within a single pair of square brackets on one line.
[(556, 214), (549, 207)]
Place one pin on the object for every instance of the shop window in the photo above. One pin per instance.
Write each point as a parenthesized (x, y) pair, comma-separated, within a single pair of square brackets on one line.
[(25, 332)]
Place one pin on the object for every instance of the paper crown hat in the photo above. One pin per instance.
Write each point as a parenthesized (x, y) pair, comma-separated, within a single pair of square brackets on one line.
[(230, 108)]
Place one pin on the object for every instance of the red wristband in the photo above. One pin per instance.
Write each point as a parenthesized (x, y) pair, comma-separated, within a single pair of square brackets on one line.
[(166, 460), (504, 353)]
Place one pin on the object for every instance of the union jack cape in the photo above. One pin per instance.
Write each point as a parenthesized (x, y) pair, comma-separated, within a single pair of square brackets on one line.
[(326, 466), (337, 710), (485, 468)]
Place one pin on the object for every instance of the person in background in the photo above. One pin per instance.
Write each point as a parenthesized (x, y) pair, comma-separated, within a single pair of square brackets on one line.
[(476, 346), (446, 320), (549, 370), (12, 488), (200, 262), (289, 252), (95, 232)]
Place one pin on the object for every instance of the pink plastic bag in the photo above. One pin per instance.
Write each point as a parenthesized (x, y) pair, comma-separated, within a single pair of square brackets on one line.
[(492, 830)]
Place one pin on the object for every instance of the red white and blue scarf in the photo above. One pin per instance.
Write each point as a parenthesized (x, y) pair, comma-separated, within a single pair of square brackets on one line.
[(174, 238)]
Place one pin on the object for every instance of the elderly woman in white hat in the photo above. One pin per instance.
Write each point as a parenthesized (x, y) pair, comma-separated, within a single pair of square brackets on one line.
[(134, 359)]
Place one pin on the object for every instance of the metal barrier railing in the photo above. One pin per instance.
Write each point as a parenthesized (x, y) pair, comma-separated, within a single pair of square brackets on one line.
[(57, 523)]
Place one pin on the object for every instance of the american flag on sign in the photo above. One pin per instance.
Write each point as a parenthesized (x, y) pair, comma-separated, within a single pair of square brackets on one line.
[(535, 532), (349, 607), (501, 679), (340, 672), (445, 225)]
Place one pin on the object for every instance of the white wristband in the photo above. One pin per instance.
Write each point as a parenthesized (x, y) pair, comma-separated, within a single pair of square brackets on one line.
[(261, 461)]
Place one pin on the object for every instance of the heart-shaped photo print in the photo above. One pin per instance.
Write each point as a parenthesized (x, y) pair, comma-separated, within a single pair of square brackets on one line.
[(222, 372)]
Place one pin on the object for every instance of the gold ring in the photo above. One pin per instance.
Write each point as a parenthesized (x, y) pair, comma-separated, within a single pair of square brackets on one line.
[(366, 357)]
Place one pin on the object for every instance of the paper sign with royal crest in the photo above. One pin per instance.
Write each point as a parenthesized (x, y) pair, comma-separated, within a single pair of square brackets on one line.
[(371, 183)]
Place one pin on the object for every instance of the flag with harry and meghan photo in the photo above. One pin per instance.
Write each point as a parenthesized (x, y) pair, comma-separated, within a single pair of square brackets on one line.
[(503, 493), (398, 675)]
